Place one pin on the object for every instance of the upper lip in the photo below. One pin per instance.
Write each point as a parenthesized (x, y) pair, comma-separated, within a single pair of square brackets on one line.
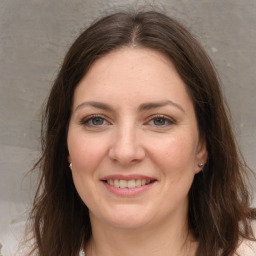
[(127, 177)]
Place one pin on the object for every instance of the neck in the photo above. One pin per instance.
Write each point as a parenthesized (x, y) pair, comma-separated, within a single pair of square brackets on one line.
[(165, 239)]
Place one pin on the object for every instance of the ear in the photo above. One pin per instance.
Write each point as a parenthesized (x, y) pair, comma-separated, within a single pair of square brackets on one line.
[(69, 159), (201, 155)]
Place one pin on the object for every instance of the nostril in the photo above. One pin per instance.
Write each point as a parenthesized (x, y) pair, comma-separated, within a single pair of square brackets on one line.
[(126, 154)]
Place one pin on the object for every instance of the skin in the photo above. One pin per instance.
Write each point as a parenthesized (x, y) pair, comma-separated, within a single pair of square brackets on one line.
[(126, 138)]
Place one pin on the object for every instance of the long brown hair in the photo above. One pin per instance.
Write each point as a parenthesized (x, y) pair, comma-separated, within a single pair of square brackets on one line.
[(219, 213)]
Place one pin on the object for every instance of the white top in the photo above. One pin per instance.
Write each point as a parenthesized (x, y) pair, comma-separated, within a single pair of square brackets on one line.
[(247, 248)]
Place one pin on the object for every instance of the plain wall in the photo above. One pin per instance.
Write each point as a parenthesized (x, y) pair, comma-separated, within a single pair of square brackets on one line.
[(34, 36)]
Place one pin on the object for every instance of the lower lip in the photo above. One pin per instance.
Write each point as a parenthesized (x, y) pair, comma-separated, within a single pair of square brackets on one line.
[(128, 192)]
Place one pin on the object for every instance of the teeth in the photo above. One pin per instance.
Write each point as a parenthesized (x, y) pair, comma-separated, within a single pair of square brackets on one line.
[(116, 183), (123, 184), (128, 183), (131, 184), (138, 183)]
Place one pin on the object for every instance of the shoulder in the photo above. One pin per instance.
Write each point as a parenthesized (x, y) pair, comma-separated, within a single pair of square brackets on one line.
[(247, 247)]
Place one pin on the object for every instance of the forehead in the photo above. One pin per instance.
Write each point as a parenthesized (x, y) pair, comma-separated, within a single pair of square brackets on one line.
[(136, 61), (132, 74)]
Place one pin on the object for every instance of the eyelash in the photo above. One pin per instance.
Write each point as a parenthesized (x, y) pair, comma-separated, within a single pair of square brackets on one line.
[(167, 121), (86, 121)]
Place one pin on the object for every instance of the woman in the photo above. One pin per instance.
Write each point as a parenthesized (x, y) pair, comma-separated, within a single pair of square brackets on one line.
[(138, 153)]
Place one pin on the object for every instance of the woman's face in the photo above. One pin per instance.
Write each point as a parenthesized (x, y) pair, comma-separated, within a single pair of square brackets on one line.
[(133, 140)]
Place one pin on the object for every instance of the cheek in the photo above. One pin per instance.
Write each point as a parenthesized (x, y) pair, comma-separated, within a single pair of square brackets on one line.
[(175, 158), (176, 152), (85, 152)]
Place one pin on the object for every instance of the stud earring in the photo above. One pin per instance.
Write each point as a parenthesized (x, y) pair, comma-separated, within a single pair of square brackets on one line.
[(70, 166), (200, 165), (81, 253)]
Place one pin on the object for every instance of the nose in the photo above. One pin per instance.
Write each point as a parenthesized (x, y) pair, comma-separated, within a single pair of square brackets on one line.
[(126, 148)]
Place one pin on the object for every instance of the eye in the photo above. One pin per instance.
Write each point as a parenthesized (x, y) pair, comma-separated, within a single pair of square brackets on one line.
[(161, 121), (94, 120)]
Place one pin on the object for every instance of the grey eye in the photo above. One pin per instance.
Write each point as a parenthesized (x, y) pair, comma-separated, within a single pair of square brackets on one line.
[(92, 121), (97, 121), (160, 121)]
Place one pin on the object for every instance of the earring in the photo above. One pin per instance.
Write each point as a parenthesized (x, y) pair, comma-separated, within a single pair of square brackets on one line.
[(200, 165), (81, 253), (70, 166)]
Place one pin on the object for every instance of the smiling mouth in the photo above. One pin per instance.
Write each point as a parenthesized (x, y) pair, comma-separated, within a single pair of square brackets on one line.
[(134, 183)]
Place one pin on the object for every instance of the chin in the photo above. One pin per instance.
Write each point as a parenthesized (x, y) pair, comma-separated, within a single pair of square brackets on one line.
[(126, 218), (129, 222)]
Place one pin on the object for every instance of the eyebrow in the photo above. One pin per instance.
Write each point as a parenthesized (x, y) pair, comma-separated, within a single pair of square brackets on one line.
[(142, 107), (152, 105), (95, 104)]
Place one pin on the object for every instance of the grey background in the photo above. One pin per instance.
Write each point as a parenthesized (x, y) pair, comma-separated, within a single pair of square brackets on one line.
[(34, 36)]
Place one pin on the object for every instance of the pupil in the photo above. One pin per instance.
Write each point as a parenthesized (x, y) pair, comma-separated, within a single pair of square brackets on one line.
[(159, 121), (97, 121)]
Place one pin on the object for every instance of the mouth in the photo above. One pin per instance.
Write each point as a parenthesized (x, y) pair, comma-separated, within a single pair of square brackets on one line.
[(131, 183), (128, 185)]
